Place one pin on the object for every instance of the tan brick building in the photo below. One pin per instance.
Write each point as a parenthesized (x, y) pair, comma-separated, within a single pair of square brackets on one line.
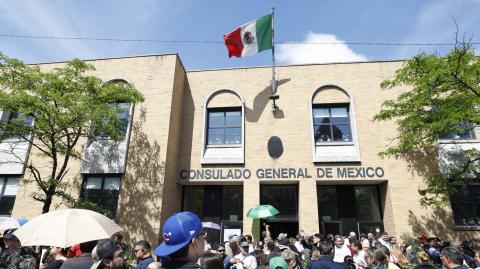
[(201, 140)]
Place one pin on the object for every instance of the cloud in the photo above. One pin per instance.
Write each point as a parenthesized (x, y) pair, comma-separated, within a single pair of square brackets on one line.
[(313, 52)]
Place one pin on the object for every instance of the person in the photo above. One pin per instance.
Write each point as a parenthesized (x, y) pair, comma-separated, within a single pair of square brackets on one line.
[(15, 256), (325, 260), (74, 251), (277, 263), (211, 261), (250, 242), (59, 256), (317, 238), (365, 244), (397, 257), (108, 255), (376, 258), (119, 240), (341, 250), (452, 257), (423, 261), (183, 241), (291, 259), (434, 251), (246, 259), (359, 256), (220, 250), (384, 240), (83, 261), (392, 240), (298, 243), (143, 254), (155, 265), (371, 238), (348, 263)]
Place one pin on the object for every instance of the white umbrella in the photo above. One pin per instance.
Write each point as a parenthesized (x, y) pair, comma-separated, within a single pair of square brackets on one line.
[(211, 225), (11, 223), (66, 227)]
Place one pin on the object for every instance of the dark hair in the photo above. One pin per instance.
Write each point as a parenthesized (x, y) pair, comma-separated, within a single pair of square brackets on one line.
[(379, 258), (348, 262), (454, 254), (261, 259), (356, 243), (319, 236), (325, 248), (211, 261), (119, 236), (385, 250), (183, 252), (248, 237), (270, 245), (384, 233), (87, 247), (234, 247), (144, 244)]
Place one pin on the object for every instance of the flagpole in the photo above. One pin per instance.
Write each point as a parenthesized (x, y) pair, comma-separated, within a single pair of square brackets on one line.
[(274, 82)]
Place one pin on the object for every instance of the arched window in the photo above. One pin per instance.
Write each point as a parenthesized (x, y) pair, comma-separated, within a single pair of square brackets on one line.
[(333, 125), (224, 128)]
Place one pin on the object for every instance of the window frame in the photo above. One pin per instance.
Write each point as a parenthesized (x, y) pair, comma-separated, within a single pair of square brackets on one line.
[(224, 153), (334, 152), (224, 110), (5, 178), (123, 134), (102, 189), (471, 131), (329, 106), (464, 226), (6, 117)]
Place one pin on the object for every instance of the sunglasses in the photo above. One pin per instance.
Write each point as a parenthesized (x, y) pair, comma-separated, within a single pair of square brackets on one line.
[(220, 250), (136, 250)]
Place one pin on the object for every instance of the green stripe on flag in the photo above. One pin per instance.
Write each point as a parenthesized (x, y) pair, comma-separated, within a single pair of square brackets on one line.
[(264, 32)]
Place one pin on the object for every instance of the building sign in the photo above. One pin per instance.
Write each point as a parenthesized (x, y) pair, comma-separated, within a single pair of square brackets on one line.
[(284, 173)]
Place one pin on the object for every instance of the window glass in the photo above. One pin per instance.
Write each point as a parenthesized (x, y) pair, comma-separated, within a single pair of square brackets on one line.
[(93, 183), (341, 132), (216, 119), (327, 203), (332, 123), (193, 197), (215, 136), (233, 119), (465, 201), (465, 132), (2, 183), (11, 187), (224, 127), (232, 202), (366, 202), (106, 196), (112, 183), (233, 136), (321, 115), (282, 197)]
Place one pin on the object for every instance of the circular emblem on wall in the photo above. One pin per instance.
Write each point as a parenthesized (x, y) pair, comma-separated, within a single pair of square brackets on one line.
[(248, 38), (275, 147)]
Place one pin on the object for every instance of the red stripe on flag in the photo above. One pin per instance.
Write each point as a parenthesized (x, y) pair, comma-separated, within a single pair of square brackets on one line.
[(234, 43)]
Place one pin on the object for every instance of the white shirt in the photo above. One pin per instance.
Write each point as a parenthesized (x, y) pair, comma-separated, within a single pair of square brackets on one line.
[(299, 246), (340, 253), (247, 260)]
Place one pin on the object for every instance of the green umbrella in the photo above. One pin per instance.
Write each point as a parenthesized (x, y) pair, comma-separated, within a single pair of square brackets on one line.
[(262, 211)]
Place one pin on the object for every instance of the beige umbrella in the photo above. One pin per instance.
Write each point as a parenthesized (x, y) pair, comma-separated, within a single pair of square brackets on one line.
[(66, 227)]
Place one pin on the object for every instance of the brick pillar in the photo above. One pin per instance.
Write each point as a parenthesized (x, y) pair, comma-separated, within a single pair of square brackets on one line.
[(251, 198), (307, 206)]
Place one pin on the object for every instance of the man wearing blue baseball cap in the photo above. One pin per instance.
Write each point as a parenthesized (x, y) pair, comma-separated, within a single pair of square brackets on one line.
[(183, 241)]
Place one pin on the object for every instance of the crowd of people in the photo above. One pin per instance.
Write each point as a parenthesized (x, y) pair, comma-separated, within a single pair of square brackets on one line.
[(185, 245)]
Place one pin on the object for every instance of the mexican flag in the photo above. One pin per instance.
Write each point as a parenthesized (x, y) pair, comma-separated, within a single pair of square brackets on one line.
[(250, 38)]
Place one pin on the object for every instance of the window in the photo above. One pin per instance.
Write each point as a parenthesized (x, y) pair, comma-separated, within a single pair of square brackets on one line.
[(8, 192), (102, 190), (224, 126), (282, 197), (18, 119), (123, 114), (223, 202), (465, 201), (465, 131), (331, 123)]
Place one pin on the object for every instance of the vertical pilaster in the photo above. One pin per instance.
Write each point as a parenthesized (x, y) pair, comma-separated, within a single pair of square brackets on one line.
[(307, 206)]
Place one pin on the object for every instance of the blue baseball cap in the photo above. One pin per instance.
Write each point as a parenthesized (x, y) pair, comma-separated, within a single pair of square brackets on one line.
[(178, 231)]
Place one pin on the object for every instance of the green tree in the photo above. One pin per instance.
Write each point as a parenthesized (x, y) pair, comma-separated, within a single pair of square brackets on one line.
[(444, 99), (56, 109)]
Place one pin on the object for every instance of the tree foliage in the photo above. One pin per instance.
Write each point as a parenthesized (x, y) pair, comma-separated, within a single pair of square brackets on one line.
[(62, 104), (444, 98)]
